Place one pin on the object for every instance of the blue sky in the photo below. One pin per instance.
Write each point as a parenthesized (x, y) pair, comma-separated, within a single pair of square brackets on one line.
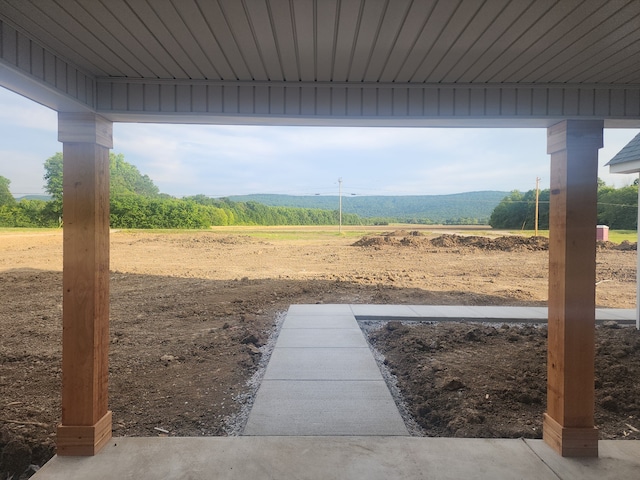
[(231, 160)]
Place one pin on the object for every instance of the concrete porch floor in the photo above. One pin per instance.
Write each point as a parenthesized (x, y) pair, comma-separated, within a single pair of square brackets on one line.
[(341, 457)]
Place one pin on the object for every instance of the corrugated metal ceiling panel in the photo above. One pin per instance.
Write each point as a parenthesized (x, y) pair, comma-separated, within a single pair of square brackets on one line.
[(552, 29), (402, 41), (468, 42)]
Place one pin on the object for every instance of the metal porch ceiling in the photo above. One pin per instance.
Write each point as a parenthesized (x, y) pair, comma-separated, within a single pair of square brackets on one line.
[(385, 41)]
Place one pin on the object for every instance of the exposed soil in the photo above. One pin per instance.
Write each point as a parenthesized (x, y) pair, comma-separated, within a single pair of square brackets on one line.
[(474, 380), (190, 313)]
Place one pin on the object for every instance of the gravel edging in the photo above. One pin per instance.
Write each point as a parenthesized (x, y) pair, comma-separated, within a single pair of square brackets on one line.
[(235, 423), (368, 326)]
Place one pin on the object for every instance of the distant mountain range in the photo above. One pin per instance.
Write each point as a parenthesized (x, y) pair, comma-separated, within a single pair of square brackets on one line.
[(44, 198), (436, 208)]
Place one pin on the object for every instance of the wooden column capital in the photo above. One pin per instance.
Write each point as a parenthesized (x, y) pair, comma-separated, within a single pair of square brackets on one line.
[(572, 134), (85, 128)]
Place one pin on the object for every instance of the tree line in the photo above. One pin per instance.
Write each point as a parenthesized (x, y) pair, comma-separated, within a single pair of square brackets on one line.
[(136, 202), (617, 208)]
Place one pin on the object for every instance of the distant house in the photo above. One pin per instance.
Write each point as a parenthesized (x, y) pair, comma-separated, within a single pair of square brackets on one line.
[(627, 160)]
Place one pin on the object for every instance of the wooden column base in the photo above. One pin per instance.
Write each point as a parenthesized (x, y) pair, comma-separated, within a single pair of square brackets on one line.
[(84, 440), (568, 441)]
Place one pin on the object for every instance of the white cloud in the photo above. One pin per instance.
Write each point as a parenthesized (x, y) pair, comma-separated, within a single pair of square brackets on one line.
[(28, 136), (21, 112), (187, 159), (25, 171), (225, 160)]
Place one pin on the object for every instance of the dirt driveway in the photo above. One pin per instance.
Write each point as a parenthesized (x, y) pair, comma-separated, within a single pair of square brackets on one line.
[(190, 312)]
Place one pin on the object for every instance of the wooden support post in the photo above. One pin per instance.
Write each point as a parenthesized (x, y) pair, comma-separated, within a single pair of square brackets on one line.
[(569, 421), (86, 420), (638, 264)]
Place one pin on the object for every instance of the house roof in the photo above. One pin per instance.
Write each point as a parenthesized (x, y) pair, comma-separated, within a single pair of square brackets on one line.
[(534, 61), (627, 160)]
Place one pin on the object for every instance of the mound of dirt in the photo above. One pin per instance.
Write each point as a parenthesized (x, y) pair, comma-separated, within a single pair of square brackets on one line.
[(460, 379), (397, 238), (446, 241), (624, 246), (505, 244), (514, 243), (198, 240), (403, 233), (377, 241), (401, 238)]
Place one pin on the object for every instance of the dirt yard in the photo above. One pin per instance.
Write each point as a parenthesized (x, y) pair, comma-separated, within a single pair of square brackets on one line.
[(191, 311)]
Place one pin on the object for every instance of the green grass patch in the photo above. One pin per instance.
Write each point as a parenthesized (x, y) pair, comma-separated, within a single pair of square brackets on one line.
[(303, 233), (161, 231), (315, 233), (619, 236), (20, 230), (300, 235), (530, 233), (615, 236)]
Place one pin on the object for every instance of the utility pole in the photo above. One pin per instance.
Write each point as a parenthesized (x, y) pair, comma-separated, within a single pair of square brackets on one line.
[(340, 210), (537, 201)]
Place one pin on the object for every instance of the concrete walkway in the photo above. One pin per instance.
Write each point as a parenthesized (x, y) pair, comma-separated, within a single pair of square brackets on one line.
[(445, 313), (322, 379)]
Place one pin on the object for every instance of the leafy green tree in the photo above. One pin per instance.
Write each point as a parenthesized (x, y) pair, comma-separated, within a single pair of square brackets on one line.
[(601, 183), (53, 183), (53, 176), (137, 203), (511, 212), (517, 211), (618, 207), (27, 213), (125, 179), (6, 198), (6, 216)]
